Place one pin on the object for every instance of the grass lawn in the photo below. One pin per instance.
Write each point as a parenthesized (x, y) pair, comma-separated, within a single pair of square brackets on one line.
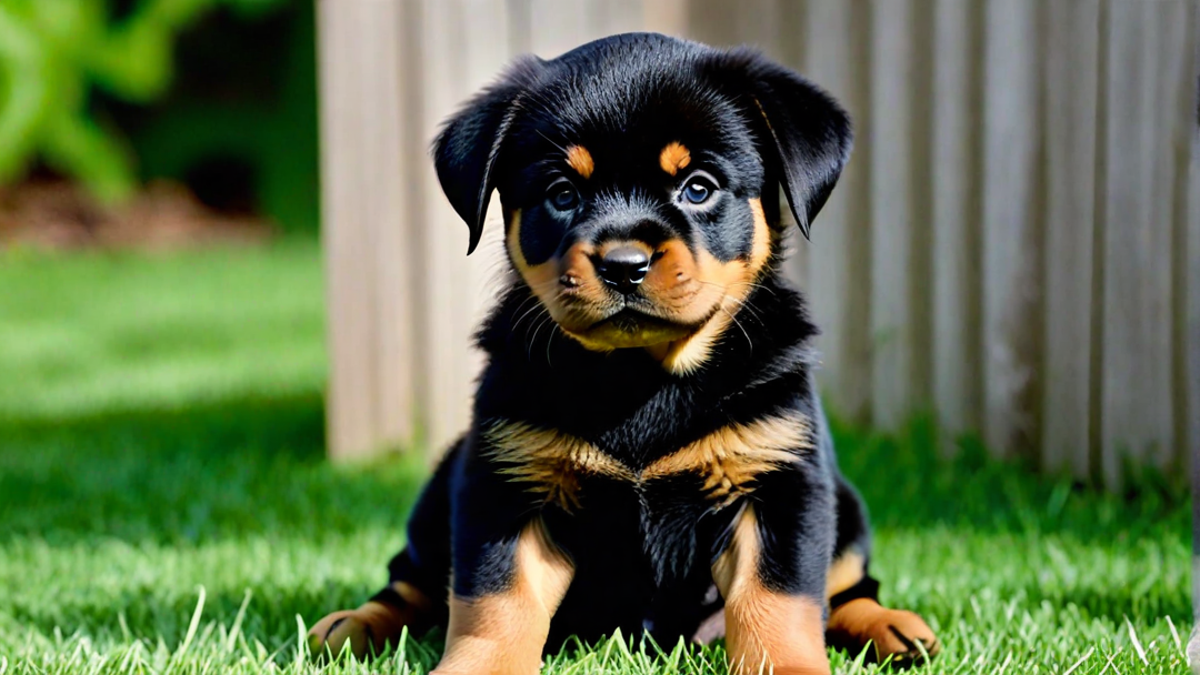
[(165, 506)]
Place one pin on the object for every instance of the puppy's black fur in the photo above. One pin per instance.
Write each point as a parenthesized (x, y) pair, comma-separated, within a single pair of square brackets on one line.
[(637, 422)]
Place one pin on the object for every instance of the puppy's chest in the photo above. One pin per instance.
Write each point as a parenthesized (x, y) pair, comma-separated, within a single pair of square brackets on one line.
[(710, 469)]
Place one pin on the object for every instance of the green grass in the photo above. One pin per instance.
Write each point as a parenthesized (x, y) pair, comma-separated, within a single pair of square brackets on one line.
[(165, 506)]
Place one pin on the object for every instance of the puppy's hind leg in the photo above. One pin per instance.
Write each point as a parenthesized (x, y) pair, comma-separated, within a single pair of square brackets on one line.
[(415, 596), (856, 618)]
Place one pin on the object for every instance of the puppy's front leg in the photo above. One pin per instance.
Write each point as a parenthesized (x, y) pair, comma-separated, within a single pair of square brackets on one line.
[(500, 626), (772, 576)]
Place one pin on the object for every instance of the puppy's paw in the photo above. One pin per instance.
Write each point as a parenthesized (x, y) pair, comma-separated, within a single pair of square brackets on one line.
[(895, 633), (363, 631)]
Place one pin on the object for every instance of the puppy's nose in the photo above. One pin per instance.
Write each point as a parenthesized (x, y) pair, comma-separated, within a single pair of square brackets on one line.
[(623, 268)]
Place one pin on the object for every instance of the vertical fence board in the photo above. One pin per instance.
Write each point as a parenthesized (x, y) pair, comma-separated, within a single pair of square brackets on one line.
[(832, 272), (956, 182), (891, 213), (1071, 71), (713, 21), (1136, 399), (560, 25), (1191, 313), (1177, 90), (387, 152), (1010, 142), (920, 277), (454, 298), (1192, 279), (620, 16), (669, 17), (364, 165), (350, 285), (1187, 288)]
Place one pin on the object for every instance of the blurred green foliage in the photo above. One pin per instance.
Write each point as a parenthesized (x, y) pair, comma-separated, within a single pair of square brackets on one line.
[(57, 57)]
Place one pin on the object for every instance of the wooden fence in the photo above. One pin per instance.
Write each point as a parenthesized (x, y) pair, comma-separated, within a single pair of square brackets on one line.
[(1015, 244)]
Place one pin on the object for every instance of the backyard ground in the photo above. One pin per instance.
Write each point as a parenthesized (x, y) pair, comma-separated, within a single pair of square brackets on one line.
[(165, 506)]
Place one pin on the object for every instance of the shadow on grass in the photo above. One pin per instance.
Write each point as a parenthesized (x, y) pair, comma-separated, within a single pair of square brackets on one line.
[(223, 470)]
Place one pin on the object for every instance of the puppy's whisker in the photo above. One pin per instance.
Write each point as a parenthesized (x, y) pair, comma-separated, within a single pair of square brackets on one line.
[(742, 328), (551, 141), (529, 311), (533, 339)]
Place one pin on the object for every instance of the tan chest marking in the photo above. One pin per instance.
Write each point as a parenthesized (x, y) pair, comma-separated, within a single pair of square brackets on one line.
[(733, 456), (729, 459), (550, 461)]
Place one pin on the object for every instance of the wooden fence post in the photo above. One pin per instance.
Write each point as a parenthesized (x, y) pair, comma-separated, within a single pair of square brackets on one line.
[(364, 166)]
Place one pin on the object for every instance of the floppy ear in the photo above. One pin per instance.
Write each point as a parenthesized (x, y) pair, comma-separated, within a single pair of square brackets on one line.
[(810, 133), (466, 151)]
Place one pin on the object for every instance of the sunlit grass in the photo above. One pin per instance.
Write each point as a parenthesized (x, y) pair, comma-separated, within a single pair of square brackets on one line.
[(165, 506)]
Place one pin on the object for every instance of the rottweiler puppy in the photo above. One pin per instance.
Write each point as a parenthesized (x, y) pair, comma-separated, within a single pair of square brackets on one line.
[(647, 451)]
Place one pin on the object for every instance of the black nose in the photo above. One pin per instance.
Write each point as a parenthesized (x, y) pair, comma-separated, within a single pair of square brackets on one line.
[(624, 267)]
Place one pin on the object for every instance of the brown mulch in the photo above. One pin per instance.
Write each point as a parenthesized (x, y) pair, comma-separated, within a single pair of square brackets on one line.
[(56, 214)]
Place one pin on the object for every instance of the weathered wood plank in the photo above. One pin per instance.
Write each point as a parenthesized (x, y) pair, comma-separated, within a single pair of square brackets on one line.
[(558, 26), (891, 213), (351, 405), (371, 394), (666, 16), (620, 16), (1177, 89), (1188, 312), (921, 195), (387, 153), (838, 279), (1071, 72), (1010, 128), (1192, 323), (1136, 399), (455, 289), (713, 21), (957, 163)]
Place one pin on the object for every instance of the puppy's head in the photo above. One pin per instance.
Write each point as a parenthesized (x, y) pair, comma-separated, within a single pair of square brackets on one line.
[(638, 177)]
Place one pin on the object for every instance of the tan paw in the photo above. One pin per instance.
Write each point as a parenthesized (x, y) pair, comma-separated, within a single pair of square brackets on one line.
[(363, 631), (895, 633)]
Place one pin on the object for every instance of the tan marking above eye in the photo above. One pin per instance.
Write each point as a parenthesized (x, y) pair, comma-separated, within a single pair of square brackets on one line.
[(580, 159), (674, 157)]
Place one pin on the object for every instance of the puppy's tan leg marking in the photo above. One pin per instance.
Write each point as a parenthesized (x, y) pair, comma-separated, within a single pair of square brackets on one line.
[(765, 631), (374, 625), (897, 633), (891, 632), (503, 633), (846, 570)]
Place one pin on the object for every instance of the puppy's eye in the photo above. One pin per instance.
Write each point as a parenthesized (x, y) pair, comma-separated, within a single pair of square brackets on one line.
[(698, 188), (696, 193), (562, 195)]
